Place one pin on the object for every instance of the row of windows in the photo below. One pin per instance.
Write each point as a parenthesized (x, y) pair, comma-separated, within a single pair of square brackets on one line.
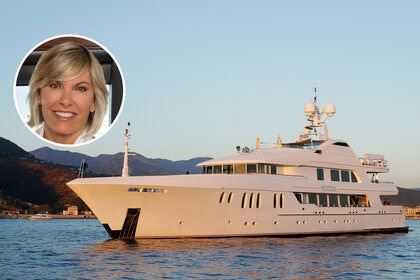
[(337, 175), (240, 168), (333, 200), (252, 200)]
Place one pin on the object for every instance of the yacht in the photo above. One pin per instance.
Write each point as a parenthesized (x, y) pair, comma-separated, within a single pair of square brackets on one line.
[(40, 217), (314, 186)]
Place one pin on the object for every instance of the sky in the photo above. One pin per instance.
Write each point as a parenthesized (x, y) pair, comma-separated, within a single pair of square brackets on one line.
[(202, 77)]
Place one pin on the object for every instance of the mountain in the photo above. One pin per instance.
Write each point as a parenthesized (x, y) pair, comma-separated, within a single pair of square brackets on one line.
[(406, 197), (112, 164), (10, 149), (29, 185)]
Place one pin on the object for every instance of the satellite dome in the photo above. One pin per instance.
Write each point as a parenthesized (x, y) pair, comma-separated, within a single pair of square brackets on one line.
[(310, 109), (330, 109)]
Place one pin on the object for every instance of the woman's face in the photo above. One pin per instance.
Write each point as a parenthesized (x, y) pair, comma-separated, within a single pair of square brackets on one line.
[(66, 106)]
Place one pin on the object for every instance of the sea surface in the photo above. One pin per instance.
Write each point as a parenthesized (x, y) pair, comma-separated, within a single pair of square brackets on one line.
[(81, 249)]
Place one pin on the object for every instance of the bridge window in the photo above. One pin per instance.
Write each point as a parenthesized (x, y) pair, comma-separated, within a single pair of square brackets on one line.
[(335, 175), (345, 176), (320, 174)]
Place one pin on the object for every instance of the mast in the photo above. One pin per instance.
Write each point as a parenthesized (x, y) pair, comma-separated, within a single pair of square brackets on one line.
[(124, 172), (83, 166)]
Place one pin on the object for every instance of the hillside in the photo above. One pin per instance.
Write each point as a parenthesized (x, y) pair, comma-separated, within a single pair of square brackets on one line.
[(406, 197), (27, 185), (112, 164)]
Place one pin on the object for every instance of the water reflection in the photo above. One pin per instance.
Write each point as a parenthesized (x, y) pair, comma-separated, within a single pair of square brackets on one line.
[(344, 256)]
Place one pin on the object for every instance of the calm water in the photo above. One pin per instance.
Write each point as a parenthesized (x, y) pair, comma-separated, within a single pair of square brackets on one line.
[(80, 249)]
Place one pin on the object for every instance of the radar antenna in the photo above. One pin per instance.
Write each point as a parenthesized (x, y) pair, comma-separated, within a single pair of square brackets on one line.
[(314, 119)]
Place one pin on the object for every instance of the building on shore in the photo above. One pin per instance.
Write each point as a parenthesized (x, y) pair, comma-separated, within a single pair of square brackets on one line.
[(412, 212), (71, 210)]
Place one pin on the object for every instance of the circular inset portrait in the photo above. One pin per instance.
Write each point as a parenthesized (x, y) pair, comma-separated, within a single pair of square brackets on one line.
[(69, 90)]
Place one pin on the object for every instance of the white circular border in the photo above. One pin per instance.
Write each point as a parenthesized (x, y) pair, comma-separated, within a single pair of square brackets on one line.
[(16, 101)]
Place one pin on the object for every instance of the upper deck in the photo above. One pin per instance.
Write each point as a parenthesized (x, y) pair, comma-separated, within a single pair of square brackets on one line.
[(302, 156)]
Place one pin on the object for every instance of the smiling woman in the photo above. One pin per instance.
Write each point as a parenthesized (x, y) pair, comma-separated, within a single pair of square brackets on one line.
[(68, 94), (68, 108)]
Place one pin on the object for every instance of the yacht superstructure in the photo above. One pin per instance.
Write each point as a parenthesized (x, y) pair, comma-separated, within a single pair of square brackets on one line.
[(315, 185)]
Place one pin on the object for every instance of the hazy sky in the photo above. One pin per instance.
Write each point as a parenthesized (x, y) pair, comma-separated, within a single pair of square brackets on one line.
[(202, 77)]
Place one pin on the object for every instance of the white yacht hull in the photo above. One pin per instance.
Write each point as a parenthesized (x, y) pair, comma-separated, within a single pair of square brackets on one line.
[(179, 206)]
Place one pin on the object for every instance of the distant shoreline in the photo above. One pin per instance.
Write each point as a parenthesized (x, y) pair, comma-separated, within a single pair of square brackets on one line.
[(53, 216)]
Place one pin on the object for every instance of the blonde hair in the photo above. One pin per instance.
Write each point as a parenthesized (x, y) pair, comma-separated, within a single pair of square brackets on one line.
[(67, 61)]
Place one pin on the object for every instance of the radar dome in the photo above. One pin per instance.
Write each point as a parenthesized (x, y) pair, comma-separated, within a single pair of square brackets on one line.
[(310, 109), (330, 109)]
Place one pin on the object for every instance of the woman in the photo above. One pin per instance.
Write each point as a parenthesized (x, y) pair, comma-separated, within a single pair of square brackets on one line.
[(68, 97)]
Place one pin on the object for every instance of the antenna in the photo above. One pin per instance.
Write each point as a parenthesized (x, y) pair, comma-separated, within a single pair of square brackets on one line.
[(124, 172), (314, 119)]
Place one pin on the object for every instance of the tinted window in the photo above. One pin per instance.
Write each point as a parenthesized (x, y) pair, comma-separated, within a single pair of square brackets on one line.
[(345, 176), (335, 176), (320, 174), (251, 168)]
